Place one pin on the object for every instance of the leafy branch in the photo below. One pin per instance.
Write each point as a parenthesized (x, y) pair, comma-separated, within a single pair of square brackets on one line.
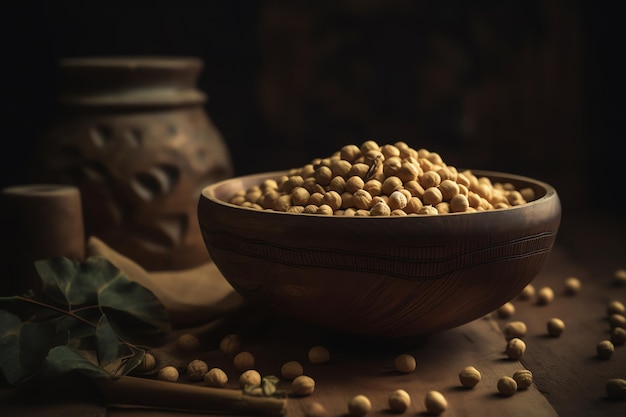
[(88, 317)]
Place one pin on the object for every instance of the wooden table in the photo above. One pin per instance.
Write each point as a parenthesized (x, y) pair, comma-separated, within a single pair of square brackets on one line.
[(569, 379)]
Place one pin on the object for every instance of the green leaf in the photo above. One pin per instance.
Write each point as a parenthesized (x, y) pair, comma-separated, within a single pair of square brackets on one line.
[(108, 345), (132, 362), (58, 277), (62, 360), (10, 328), (132, 308), (36, 339)]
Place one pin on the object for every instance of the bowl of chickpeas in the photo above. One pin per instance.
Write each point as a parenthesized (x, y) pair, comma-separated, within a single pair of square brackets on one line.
[(380, 240)]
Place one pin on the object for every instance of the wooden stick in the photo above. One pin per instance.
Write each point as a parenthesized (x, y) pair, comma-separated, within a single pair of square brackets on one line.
[(137, 392)]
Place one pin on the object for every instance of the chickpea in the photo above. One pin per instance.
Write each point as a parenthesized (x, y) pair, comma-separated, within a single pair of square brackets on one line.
[(506, 310), (362, 199), (148, 362), (350, 153), (523, 378), (196, 369), (619, 277), (359, 405), (318, 355), (435, 402), (292, 369), (380, 209), (545, 295), (469, 377), (188, 343), (354, 184), (413, 205), (572, 286), (302, 385), (405, 363), (432, 196), (515, 329), (615, 307), (397, 200), (216, 377), (618, 336), (243, 361), (605, 349), (391, 184), (399, 401), (527, 293), (515, 348), (616, 388), (250, 377), (323, 175), (448, 189), (555, 327), (428, 211), (617, 320), (459, 203), (407, 172), (168, 373), (507, 386), (315, 409)]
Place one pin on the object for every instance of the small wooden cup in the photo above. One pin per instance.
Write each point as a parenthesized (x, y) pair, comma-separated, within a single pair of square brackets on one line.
[(39, 221)]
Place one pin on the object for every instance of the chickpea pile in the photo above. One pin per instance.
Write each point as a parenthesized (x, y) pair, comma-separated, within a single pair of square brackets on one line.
[(372, 180)]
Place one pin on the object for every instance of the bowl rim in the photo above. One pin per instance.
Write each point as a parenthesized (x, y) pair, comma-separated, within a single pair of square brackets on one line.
[(208, 193)]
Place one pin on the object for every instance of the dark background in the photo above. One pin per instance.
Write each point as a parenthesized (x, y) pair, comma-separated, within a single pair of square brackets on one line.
[(534, 87)]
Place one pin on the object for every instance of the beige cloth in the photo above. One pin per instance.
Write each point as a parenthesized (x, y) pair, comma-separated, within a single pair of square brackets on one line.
[(191, 296)]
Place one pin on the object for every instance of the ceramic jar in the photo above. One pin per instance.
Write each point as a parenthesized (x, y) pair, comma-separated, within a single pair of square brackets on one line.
[(133, 135)]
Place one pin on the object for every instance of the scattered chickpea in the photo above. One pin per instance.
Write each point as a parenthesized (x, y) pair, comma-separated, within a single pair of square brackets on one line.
[(515, 348), (617, 320), (250, 377), (230, 345), (616, 388), (188, 343), (507, 386), (515, 329), (435, 402), (619, 277), (469, 377), (216, 377), (545, 295), (605, 349), (318, 355), (196, 369), (572, 286), (243, 361), (315, 409), (359, 405), (302, 385), (292, 369), (147, 363), (555, 327), (618, 336), (506, 310), (405, 363), (615, 307), (168, 373), (527, 293), (523, 378), (399, 401)]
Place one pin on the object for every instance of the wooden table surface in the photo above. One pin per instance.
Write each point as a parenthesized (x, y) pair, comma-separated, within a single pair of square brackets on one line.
[(569, 379)]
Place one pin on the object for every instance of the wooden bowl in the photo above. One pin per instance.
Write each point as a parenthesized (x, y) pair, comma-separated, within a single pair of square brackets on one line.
[(390, 277)]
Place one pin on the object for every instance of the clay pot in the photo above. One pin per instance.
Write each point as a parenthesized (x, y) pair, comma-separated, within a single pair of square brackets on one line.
[(133, 135)]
